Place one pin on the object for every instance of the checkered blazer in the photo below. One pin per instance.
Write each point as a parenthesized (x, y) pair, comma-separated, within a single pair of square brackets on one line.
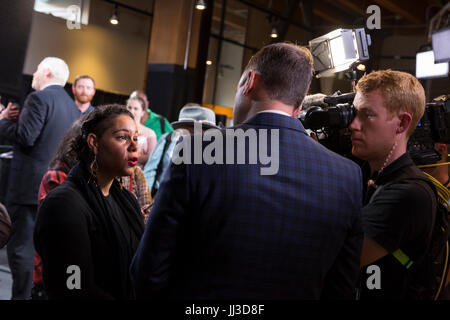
[(224, 231)]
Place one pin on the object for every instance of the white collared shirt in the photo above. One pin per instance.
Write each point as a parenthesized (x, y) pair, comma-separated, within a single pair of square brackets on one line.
[(276, 111), (50, 84)]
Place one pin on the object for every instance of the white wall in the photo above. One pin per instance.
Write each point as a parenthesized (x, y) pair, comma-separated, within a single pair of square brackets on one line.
[(229, 74), (115, 56)]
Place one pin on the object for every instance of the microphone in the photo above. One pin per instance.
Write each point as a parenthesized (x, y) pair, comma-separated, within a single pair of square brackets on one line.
[(340, 98), (314, 100), (322, 100)]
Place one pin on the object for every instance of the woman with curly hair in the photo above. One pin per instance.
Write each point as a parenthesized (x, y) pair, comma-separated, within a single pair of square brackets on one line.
[(88, 228)]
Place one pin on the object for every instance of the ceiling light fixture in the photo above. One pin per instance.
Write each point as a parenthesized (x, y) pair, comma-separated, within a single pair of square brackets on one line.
[(274, 33), (115, 17), (201, 5)]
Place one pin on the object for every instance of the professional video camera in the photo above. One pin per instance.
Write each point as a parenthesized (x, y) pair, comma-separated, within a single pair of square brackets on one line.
[(329, 117), (433, 127), (341, 50)]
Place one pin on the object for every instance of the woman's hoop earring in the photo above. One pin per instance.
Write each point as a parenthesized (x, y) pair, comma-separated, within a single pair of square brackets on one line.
[(94, 167)]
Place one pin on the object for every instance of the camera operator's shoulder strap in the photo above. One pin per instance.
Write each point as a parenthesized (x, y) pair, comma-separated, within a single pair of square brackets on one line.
[(162, 123)]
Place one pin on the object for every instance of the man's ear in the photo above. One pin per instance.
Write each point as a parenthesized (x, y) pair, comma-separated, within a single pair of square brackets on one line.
[(251, 80), (405, 122), (92, 142), (47, 73)]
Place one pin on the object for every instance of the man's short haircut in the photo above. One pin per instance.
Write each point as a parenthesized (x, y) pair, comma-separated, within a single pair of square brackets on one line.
[(400, 91), (82, 76), (286, 71), (58, 68)]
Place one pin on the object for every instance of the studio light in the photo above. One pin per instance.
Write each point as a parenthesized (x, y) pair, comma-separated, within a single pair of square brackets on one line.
[(115, 17), (339, 50), (426, 67), (274, 33), (361, 67), (201, 5), (441, 45), (208, 62)]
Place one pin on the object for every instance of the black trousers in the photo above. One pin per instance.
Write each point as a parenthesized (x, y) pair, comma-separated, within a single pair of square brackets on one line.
[(20, 249)]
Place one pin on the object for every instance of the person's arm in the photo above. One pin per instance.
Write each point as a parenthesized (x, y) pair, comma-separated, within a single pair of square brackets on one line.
[(396, 212), (29, 125), (63, 241), (142, 193), (151, 139), (371, 251), (153, 264), (152, 163)]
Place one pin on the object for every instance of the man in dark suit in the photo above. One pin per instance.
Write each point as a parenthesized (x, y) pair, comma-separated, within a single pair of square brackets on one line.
[(235, 231), (46, 115)]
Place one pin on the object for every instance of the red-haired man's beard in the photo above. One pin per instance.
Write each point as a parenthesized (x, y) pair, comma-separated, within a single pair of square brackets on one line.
[(83, 98)]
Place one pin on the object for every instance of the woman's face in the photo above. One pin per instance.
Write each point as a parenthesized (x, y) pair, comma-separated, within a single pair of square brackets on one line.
[(117, 153), (135, 107)]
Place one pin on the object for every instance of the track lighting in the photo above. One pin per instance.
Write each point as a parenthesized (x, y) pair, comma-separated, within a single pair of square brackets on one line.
[(200, 5), (274, 33), (115, 17)]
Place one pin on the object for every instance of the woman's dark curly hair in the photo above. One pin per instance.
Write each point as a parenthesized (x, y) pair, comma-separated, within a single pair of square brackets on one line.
[(65, 152), (97, 122)]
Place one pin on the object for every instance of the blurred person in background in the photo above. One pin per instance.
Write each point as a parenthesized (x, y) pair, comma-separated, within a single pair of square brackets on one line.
[(160, 158), (150, 119), (45, 117), (83, 90), (146, 137)]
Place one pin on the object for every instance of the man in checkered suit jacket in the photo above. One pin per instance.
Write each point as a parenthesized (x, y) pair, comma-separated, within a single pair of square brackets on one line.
[(235, 231)]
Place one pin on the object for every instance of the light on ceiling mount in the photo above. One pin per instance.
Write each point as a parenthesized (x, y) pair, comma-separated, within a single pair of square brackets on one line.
[(115, 17), (200, 5), (274, 33)]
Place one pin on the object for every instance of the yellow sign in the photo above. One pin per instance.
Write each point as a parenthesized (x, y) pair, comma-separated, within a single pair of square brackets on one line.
[(228, 112)]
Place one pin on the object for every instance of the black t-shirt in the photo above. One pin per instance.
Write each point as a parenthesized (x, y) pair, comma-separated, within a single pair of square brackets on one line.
[(399, 216)]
